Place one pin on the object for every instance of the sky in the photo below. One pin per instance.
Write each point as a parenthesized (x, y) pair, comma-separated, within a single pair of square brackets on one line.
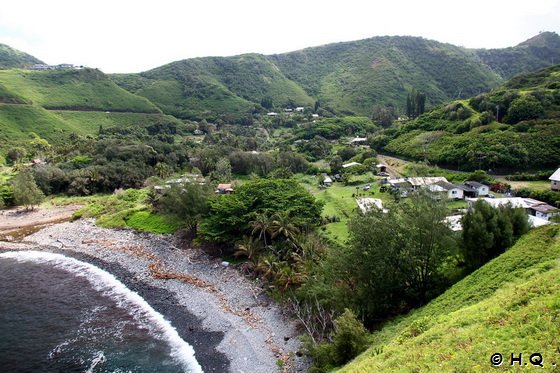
[(127, 36)]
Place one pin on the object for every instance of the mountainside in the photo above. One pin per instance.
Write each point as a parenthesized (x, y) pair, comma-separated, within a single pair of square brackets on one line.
[(56, 103), (516, 126), (536, 53), (510, 305), (10, 57), (355, 76), (346, 78), (214, 86)]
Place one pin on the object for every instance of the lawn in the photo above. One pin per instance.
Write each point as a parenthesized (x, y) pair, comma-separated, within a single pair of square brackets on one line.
[(340, 201)]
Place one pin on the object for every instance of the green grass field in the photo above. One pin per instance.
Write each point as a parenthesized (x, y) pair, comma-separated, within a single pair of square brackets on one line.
[(510, 305)]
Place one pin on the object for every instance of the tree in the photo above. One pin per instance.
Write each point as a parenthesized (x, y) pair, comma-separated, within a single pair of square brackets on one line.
[(395, 258), (415, 103), (266, 102), (26, 191), (16, 153), (187, 202), (162, 169), (222, 173), (488, 232), (261, 226), (230, 216)]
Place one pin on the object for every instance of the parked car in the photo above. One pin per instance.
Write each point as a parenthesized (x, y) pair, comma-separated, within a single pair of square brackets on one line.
[(385, 174)]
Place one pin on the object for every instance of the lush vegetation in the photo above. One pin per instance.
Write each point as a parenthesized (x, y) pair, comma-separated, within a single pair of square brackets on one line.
[(274, 129), (538, 52), (508, 304), (513, 127)]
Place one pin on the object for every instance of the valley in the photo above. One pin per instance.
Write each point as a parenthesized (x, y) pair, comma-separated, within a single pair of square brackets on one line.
[(394, 201)]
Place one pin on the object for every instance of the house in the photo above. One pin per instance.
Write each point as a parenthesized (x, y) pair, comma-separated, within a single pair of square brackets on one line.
[(543, 211), (272, 114), (350, 164), (453, 191), (515, 202), (327, 180), (224, 189), (357, 141), (480, 189), (366, 204), (403, 188), (555, 181), (198, 132), (300, 109), (315, 115)]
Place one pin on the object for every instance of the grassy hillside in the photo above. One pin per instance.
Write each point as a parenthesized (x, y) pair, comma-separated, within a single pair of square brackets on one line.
[(464, 134), (349, 77), (10, 57), (354, 76), (510, 305), (19, 121), (214, 86), (538, 52), (86, 89)]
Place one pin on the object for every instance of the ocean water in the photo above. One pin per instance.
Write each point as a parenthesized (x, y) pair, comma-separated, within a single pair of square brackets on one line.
[(58, 314)]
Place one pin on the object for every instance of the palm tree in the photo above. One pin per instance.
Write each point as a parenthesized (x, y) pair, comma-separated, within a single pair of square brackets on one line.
[(282, 224), (261, 225), (248, 247)]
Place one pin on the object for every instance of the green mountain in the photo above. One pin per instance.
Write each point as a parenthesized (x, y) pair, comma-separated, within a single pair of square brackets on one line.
[(346, 78), (516, 126), (536, 53), (215, 86), (511, 305), (56, 103), (10, 57), (356, 76)]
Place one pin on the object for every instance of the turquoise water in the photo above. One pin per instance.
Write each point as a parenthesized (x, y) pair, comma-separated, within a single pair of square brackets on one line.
[(58, 314)]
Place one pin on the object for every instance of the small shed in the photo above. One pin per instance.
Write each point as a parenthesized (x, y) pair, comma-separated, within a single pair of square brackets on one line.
[(555, 181), (381, 167), (224, 189)]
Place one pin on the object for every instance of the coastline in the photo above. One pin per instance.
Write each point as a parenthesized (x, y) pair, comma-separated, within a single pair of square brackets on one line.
[(230, 322)]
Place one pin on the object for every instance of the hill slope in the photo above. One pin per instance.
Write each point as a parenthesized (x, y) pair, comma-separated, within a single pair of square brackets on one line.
[(510, 305), (347, 78), (212, 86), (536, 53), (10, 57), (354, 76), (465, 134), (54, 104)]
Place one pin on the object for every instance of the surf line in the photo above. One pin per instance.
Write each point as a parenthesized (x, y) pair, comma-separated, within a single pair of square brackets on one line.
[(110, 286)]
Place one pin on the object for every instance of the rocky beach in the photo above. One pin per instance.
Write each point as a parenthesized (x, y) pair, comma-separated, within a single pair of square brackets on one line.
[(231, 323)]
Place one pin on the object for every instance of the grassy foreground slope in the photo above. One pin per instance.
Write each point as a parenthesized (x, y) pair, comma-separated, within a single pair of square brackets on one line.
[(510, 305)]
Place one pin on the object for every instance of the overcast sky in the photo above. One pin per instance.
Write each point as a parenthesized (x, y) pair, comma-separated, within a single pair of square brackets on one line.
[(133, 36)]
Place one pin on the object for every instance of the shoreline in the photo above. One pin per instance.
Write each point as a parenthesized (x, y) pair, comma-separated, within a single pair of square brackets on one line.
[(230, 322)]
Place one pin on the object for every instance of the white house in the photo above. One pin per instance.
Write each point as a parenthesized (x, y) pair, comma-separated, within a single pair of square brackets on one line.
[(555, 180), (357, 141), (481, 189), (327, 181), (451, 190), (346, 165)]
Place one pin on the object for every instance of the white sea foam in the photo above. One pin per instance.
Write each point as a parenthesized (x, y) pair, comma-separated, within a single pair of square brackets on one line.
[(106, 283)]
